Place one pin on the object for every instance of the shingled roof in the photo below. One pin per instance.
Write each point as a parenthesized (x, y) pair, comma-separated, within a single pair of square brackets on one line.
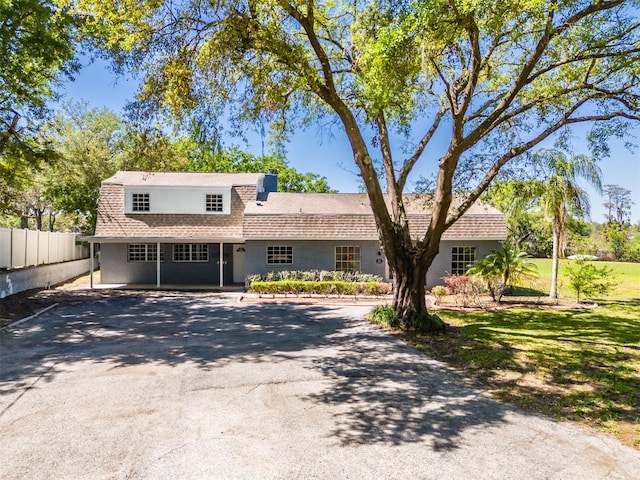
[(349, 216), (113, 223), (187, 179), (312, 216)]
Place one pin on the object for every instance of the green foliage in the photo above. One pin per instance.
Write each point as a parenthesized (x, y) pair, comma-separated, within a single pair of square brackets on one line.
[(306, 287), (627, 276), (623, 240), (384, 315), (318, 276), (234, 160), (36, 48), (439, 291), (425, 322), (93, 144), (527, 229), (586, 280), (504, 268)]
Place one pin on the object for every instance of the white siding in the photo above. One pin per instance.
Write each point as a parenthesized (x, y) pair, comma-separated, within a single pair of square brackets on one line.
[(177, 200)]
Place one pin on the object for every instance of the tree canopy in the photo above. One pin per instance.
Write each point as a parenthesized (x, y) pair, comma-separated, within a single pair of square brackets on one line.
[(234, 160), (495, 79), (36, 48), (93, 144)]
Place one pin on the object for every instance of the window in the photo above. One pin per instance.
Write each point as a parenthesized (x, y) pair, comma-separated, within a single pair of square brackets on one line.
[(279, 255), (348, 258), (144, 252), (461, 259), (140, 202), (191, 252), (214, 202)]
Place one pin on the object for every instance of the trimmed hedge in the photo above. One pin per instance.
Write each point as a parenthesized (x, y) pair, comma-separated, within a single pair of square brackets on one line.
[(314, 276), (297, 287)]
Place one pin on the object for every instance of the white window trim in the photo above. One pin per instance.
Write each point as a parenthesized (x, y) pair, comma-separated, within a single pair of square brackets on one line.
[(335, 254), (475, 257), (278, 246), (191, 251), (147, 247), (222, 203), (134, 203)]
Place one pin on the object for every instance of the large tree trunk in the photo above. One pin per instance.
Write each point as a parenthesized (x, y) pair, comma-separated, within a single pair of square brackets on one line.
[(553, 291), (409, 295)]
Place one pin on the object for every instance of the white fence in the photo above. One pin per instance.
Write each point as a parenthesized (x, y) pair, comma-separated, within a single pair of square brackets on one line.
[(26, 248)]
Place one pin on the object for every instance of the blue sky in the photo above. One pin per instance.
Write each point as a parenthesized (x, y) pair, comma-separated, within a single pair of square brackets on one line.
[(329, 154)]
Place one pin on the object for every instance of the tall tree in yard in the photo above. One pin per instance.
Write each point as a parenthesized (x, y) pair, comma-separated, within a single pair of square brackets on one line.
[(493, 79), (618, 204), (561, 192), (36, 51)]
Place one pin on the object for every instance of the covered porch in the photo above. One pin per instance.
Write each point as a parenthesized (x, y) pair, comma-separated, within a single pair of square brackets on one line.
[(168, 263)]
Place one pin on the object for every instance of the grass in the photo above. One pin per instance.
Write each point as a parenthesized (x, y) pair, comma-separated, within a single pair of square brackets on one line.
[(572, 364), (626, 274)]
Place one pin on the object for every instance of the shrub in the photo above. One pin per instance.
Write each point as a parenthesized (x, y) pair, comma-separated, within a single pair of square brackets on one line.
[(297, 287), (465, 288), (384, 315), (317, 276), (457, 284), (586, 279), (249, 279), (439, 291), (502, 269), (426, 322)]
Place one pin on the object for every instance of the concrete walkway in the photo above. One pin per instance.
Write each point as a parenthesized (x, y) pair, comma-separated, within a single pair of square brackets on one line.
[(201, 387)]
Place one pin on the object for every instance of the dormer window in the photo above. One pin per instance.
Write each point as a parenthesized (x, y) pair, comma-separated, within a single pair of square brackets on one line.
[(214, 202), (177, 199), (140, 202)]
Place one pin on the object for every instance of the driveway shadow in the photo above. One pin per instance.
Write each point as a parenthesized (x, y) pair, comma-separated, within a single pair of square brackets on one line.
[(389, 393), (379, 390)]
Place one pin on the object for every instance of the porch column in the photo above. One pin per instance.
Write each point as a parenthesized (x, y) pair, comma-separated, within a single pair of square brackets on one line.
[(91, 268), (221, 264), (157, 264)]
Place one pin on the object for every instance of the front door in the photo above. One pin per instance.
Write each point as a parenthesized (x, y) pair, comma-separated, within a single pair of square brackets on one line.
[(239, 269)]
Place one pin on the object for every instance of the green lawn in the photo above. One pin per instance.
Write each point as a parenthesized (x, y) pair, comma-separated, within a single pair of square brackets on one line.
[(571, 364), (626, 274)]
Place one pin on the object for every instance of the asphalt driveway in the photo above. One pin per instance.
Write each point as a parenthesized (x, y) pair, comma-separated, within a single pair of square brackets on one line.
[(200, 386)]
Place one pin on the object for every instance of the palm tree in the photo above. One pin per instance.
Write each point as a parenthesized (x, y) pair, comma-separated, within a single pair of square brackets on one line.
[(504, 268), (561, 194)]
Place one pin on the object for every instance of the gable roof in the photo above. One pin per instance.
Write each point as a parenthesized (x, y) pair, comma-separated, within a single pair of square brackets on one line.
[(349, 216), (310, 216), (113, 223), (187, 179)]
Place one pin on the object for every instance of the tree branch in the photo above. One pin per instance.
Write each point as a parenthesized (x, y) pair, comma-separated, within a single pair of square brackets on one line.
[(424, 141), (514, 152), (550, 32)]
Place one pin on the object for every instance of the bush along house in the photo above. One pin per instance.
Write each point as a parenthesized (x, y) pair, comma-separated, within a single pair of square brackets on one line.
[(177, 228)]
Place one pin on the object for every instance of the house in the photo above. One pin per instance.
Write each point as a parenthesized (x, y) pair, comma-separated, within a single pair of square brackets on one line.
[(215, 228)]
